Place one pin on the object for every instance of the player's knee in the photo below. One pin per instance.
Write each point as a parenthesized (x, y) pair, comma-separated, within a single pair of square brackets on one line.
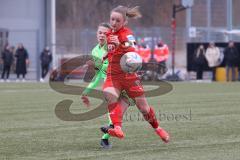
[(110, 98), (124, 100)]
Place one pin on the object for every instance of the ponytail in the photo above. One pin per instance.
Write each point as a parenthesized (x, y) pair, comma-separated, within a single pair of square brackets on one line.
[(128, 12)]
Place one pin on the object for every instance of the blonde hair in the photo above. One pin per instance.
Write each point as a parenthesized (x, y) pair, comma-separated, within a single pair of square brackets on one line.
[(128, 12)]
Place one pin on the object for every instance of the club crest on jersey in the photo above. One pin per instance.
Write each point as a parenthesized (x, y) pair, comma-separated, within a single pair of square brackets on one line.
[(111, 47)]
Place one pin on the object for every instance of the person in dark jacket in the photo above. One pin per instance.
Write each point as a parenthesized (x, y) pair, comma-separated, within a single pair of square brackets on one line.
[(46, 59), (231, 58), (200, 61), (21, 61), (7, 58), (239, 68)]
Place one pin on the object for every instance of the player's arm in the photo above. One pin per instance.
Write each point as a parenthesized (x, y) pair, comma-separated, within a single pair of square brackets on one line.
[(93, 84), (104, 67), (101, 64), (127, 42), (96, 79)]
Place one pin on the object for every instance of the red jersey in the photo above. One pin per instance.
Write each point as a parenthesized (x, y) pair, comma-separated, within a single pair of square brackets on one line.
[(127, 42)]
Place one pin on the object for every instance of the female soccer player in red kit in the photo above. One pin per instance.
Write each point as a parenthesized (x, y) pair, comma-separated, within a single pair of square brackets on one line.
[(120, 41)]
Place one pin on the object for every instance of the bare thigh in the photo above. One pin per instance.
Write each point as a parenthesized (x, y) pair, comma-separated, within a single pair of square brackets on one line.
[(111, 94), (123, 103)]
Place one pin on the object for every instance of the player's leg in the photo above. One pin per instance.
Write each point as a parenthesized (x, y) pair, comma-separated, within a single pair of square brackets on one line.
[(150, 117), (135, 90), (114, 107), (105, 138), (106, 135), (124, 103)]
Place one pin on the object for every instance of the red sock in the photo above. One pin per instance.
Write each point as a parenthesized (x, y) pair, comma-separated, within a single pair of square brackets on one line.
[(116, 114), (151, 118)]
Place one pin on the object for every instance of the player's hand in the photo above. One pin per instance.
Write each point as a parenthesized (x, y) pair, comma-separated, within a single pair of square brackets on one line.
[(85, 100), (114, 40)]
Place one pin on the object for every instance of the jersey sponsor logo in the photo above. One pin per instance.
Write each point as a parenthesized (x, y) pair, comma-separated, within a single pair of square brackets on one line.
[(131, 41), (131, 38)]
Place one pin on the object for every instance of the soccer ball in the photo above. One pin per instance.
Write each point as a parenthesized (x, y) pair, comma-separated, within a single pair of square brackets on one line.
[(131, 62)]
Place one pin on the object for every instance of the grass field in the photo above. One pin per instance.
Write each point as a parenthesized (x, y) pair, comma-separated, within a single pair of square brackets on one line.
[(202, 118)]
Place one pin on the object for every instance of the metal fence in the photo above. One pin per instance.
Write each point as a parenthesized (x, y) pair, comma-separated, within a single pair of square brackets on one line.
[(78, 41), (209, 18)]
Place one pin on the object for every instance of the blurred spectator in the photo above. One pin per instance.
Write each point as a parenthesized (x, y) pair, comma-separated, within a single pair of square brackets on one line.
[(46, 59), (239, 68), (232, 59), (160, 54), (200, 61), (7, 58), (213, 57), (145, 52), (21, 61)]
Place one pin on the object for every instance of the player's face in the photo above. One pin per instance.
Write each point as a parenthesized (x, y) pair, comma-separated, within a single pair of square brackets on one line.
[(101, 34), (116, 21)]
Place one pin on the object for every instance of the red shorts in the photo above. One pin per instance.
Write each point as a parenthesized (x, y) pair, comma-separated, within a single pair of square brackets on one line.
[(133, 87)]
